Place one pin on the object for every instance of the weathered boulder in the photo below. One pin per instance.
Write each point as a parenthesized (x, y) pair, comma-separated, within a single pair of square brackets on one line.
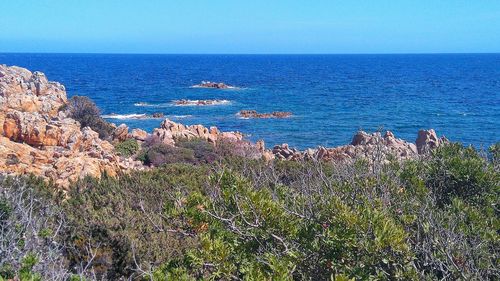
[(428, 140), (170, 131), (138, 134), (373, 147), (120, 133)]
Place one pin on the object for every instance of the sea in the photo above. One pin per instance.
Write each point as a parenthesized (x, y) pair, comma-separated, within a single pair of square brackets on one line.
[(331, 97)]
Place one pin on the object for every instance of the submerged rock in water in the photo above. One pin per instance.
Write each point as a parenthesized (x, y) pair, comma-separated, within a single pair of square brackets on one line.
[(158, 115), (200, 102), (213, 85), (255, 114)]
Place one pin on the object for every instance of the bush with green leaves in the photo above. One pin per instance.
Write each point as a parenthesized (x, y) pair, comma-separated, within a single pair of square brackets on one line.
[(203, 151), (162, 154), (432, 218), (117, 225), (317, 221), (127, 147), (84, 110)]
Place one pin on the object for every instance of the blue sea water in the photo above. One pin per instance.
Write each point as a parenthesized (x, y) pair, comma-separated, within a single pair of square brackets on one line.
[(331, 96)]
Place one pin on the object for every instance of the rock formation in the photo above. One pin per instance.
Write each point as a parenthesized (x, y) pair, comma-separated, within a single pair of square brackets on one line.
[(120, 133), (37, 137), (138, 134), (169, 131), (428, 140), (368, 146), (212, 85), (200, 102), (255, 114)]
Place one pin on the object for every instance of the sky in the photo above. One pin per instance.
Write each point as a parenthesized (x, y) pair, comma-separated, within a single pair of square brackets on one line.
[(250, 27)]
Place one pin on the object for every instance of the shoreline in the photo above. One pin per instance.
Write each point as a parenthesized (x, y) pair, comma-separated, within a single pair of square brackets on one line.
[(38, 120)]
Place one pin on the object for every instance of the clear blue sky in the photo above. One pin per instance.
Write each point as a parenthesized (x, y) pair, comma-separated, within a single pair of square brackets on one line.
[(253, 26)]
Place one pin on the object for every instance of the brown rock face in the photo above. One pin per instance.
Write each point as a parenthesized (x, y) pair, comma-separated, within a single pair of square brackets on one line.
[(169, 131), (364, 145), (255, 114), (428, 140), (138, 134), (120, 133), (36, 137)]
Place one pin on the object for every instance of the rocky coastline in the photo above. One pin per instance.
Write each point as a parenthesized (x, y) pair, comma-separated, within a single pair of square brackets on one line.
[(38, 137)]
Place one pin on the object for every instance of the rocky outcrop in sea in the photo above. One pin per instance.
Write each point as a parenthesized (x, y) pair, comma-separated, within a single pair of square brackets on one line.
[(212, 85), (254, 114), (185, 102)]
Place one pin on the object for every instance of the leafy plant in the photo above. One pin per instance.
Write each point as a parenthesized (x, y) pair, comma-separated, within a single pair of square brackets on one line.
[(127, 147), (84, 110)]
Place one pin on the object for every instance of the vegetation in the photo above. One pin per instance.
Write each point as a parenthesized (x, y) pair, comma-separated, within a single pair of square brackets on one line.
[(127, 147), (85, 111), (203, 216)]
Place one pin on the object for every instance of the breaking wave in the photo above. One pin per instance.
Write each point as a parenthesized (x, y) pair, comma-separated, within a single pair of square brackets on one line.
[(146, 104)]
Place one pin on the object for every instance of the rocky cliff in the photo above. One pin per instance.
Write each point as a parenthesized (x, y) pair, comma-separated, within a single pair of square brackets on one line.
[(37, 137)]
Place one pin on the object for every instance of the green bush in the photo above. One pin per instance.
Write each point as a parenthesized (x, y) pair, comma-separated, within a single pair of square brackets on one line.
[(127, 147), (203, 151), (235, 218), (121, 221), (161, 154), (455, 171), (257, 234), (84, 110)]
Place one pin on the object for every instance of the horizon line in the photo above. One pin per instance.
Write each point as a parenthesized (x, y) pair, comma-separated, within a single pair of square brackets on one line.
[(252, 54)]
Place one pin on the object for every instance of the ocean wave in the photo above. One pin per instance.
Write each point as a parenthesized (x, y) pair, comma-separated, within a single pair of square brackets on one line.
[(146, 104), (124, 116), (132, 116), (142, 116), (180, 116)]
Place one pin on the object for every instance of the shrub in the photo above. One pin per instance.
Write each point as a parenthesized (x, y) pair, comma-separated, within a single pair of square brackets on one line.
[(84, 110), (457, 171), (265, 234), (203, 151), (27, 217), (127, 147), (121, 221), (433, 218), (161, 154)]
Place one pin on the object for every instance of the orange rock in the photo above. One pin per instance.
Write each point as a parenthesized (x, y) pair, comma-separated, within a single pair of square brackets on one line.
[(36, 137)]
